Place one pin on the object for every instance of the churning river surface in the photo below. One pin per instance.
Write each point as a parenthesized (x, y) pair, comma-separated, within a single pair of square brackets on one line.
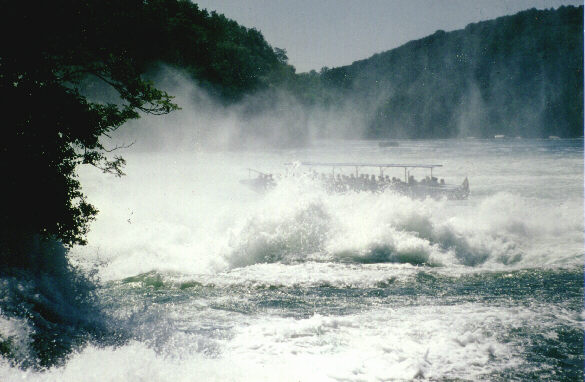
[(201, 279)]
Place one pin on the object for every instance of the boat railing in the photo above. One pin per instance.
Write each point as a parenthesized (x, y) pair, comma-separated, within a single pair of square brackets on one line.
[(381, 166)]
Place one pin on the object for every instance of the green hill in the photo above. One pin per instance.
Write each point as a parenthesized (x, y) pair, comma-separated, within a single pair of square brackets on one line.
[(519, 75)]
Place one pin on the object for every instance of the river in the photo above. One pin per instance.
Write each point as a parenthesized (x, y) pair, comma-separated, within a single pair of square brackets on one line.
[(201, 279)]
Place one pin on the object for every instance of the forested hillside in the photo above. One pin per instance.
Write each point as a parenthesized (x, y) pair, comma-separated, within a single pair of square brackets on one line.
[(519, 75)]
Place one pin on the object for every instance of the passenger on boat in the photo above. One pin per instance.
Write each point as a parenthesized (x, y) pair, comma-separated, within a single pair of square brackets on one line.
[(373, 185)]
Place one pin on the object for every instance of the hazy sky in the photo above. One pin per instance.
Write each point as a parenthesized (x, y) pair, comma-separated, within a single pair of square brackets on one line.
[(318, 33)]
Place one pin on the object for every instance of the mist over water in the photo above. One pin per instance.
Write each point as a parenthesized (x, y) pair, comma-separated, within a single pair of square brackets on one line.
[(526, 204), (269, 118), (203, 279)]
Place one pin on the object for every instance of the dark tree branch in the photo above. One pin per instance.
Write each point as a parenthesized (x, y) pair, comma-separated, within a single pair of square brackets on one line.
[(118, 147)]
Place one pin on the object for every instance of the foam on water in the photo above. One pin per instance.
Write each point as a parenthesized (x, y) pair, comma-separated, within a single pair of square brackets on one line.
[(378, 344), (189, 214), (203, 279)]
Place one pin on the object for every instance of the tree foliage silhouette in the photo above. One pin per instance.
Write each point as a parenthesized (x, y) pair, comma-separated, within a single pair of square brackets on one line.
[(49, 126)]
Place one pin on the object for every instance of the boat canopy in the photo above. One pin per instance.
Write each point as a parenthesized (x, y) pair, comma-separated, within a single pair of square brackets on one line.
[(343, 164), (381, 166)]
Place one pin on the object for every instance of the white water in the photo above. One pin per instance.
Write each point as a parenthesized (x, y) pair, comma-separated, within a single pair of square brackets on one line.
[(188, 213), (186, 217)]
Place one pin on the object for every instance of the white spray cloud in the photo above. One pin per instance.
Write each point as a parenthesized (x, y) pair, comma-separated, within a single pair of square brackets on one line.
[(269, 118)]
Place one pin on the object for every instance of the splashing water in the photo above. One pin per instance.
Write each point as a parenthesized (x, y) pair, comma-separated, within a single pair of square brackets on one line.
[(204, 279)]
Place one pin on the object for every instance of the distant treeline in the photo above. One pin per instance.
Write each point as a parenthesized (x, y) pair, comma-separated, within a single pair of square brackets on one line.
[(519, 75)]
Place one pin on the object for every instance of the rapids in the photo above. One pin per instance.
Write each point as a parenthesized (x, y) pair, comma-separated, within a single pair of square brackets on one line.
[(199, 278)]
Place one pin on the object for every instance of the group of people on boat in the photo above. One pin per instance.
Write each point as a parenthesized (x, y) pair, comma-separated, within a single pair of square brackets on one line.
[(369, 182), (428, 186), (361, 182)]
